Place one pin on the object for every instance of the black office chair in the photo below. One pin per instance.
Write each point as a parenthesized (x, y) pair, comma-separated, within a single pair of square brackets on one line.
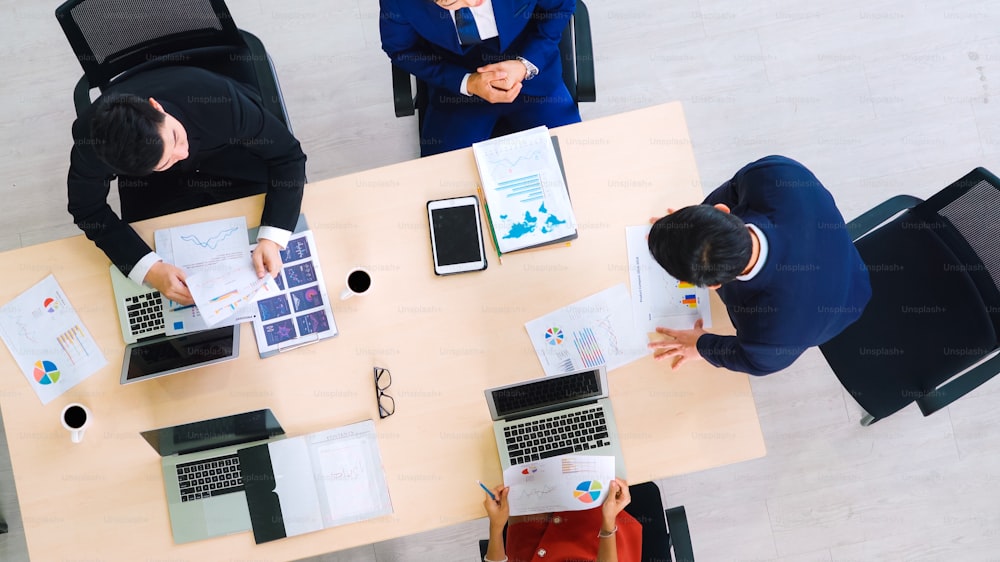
[(115, 39), (665, 533), (935, 306), (576, 49)]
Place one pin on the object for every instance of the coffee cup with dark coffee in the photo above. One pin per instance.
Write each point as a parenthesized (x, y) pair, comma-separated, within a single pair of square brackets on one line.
[(75, 418), (358, 282)]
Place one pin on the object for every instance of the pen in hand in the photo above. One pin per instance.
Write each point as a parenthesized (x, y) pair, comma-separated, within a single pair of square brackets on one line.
[(487, 490)]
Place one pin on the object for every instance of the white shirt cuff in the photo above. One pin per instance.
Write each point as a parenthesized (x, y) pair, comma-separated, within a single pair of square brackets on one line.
[(464, 88), (138, 273), (277, 235)]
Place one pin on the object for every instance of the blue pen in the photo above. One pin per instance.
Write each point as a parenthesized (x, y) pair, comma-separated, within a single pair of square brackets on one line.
[(487, 490)]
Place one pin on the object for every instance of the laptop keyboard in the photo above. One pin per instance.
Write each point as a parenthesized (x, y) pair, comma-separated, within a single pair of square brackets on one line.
[(145, 313), (211, 477), (561, 434)]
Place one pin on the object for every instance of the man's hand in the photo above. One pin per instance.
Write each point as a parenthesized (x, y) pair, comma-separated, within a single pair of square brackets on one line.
[(514, 72), (683, 348), (652, 220), (618, 498), (267, 258), (170, 281), (498, 510), (480, 84)]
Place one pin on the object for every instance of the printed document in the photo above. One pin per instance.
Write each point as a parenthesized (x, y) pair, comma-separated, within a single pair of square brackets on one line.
[(563, 483), (48, 340)]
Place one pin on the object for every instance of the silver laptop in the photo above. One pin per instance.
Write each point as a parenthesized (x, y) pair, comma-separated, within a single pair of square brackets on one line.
[(166, 355), (201, 471), (551, 416), (140, 308)]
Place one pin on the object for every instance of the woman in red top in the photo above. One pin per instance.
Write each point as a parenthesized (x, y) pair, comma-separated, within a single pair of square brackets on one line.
[(608, 534)]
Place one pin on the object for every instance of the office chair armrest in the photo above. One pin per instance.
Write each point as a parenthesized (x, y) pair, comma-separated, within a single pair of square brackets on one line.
[(680, 534), (270, 90), (402, 93), (586, 89), (868, 220), (81, 95), (959, 386)]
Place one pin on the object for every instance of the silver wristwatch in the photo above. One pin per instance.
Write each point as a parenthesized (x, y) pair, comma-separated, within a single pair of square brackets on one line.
[(532, 69)]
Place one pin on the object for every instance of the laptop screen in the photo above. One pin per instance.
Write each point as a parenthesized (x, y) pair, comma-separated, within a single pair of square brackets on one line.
[(166, 355), (543, 393), (215, 433)]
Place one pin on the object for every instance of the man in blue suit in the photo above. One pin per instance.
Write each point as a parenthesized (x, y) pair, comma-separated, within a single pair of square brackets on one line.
[(774, 245), (483, 61)]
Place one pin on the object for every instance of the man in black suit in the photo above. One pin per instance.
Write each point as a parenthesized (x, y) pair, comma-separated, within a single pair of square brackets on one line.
[(179, 138)]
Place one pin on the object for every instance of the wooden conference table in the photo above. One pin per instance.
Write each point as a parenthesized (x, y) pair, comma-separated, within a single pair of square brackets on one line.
[(445, 340)]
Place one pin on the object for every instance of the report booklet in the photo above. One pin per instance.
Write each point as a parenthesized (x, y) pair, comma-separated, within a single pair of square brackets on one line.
[(526, 198)]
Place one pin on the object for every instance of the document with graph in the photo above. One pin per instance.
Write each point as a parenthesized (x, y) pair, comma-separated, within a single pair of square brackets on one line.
[(49, 343), (659, 300), (527, 200), (597, 330), (299, 313), (215, 255), (564, 483)]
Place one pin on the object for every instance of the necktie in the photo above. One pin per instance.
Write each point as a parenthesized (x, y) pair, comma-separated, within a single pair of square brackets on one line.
[(468, 33)]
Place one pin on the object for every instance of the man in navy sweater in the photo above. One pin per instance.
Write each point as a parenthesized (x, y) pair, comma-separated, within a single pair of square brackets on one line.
[(774, 245)]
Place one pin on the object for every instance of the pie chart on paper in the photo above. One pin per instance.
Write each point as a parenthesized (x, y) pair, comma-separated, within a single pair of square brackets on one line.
[(554, 336), (588, 491), (46, 372)]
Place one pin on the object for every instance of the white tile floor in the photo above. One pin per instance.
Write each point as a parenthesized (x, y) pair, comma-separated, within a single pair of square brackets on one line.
[(877, 97)]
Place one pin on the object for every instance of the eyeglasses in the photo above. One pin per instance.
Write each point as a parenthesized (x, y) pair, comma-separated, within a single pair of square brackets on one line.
[(386, 404)]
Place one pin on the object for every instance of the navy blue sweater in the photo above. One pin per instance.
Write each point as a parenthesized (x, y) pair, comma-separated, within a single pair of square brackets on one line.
[(813, 283)]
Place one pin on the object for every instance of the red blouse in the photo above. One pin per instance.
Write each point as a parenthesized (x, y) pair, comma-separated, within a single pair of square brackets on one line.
[(570, 535)]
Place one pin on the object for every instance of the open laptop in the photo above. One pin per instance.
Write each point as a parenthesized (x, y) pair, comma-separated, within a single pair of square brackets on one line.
[(202, 475), (559, 415), (140, 308), (150, 353)]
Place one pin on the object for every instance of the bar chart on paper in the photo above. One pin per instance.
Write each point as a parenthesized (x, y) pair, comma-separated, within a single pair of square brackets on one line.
[(594, 331)]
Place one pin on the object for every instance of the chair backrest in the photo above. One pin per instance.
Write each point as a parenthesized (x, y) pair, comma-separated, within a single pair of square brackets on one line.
[(110, 37), (935, 305)]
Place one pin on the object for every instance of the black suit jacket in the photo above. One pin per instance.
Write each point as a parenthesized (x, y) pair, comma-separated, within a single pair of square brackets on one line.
[(228, 131)]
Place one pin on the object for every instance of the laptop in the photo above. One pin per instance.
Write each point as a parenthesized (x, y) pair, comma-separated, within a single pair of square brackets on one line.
[(140, 308), (202, 475), (558, 415), (150, 353)]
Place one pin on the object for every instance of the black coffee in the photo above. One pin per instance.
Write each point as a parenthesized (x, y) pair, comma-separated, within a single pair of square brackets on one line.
[(75, 417), (359, 281)]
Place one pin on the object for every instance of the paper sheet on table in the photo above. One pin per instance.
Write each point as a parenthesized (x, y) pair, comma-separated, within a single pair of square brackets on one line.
[(220, 291), (216, 257), (595, 331), (659, 300), (564, 483), (48, 340)]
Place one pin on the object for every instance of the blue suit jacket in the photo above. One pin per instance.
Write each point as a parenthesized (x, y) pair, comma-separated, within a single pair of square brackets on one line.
[(419, 36), (813, 283)]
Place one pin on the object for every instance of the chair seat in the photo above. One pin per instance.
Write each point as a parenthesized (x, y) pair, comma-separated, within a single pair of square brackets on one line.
[(912, 336)]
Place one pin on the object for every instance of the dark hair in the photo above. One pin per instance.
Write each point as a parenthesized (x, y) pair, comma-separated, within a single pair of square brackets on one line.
[(701, 244), (126, 132)]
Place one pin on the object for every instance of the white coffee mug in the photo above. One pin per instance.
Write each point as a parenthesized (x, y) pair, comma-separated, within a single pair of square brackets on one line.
[(75, 418), (358, 282)]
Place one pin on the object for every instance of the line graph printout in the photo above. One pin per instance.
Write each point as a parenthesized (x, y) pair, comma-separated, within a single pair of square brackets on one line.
[(594, 331), (524, 188), (215, 255), (563, 483), (657, 298)]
